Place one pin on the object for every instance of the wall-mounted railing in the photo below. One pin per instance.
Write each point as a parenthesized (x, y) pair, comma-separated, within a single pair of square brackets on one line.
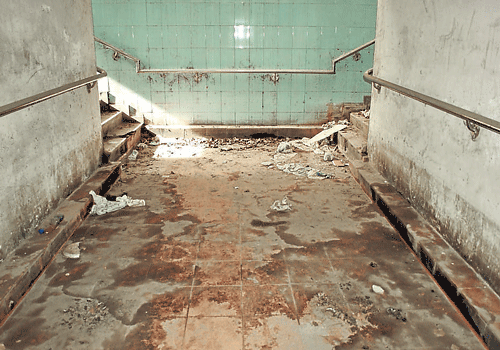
[(473, 120), (351, 53), (32, 100), (117, 52)]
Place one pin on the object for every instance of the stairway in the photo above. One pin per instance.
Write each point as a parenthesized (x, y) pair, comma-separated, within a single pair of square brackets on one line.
[(353, 140), (120, 133)]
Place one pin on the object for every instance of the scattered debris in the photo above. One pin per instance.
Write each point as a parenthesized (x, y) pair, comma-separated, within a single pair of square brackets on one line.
[(281, 205), (301, 170), (345, 286), (328, 125), (72, 251), (56, 220), (85, 315), (284, 147), (142, 145), (267, 163), (373, 264), (377, 289), (366, 114), (396, 313), (328, 157), (102, 205), (283, 157), (180, 148), (133, 155), (328, 132)]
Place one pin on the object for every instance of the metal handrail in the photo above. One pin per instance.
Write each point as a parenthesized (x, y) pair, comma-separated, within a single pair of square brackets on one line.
[(138, 68), (350, 53), (468, 116), (30, 101), (118, 51)]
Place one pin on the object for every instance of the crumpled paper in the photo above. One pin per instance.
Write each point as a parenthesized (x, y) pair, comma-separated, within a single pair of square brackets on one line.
[(102, 205)]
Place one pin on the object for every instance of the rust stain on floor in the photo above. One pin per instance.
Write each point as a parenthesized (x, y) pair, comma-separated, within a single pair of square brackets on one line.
[(207, 264)]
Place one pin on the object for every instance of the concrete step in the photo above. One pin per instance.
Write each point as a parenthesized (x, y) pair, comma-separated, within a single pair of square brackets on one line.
[(113, 149), (228, 131), (352, 144), (109, 121), (360, 122), (125, 136)]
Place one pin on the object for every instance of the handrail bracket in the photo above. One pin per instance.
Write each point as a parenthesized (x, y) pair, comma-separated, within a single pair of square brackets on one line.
[(473, 121)]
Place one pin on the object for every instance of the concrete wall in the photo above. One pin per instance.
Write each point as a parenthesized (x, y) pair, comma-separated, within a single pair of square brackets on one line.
[(449, 50), (264, 34), (47, 149)]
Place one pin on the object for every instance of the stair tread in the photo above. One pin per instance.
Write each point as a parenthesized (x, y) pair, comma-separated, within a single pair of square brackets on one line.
[(108, 116), (111, 144), (124, 128), (361, 123)]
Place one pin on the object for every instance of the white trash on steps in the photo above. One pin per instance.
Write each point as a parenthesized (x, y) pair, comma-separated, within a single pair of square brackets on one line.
[(102, 205)]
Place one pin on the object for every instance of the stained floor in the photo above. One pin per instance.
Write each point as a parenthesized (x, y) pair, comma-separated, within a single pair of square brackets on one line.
[(207, 264)]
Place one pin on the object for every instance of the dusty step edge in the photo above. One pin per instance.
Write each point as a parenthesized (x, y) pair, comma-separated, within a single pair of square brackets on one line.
[(111, 122), (224, 131), (126, 146), (477, 301), (351, 145), (75, 209), (360, 123)]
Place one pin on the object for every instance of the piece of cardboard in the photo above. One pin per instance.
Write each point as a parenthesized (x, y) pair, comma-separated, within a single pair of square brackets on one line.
[(328, 132)]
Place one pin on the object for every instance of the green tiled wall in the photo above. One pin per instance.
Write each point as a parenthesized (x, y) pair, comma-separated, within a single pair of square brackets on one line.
[(235, 34)]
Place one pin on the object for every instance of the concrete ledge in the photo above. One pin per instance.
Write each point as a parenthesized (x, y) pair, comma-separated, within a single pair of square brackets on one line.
[(479, 304), (223, 131), (23, 266)]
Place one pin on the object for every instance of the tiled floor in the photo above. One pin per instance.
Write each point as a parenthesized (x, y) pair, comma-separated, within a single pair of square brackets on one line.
[(208, 265)]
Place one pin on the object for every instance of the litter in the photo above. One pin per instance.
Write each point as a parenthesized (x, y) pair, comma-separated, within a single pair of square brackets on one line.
[(283, 157), (133, 155), (328, 132), (301, 170), (377, 289), (102, 205), (142, 145), (328, 156), (281, 205), (338, 163), (72, 251), (284, 147), (266, 163)]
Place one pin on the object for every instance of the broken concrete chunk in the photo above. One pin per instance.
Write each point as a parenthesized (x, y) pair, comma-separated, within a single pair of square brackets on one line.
[(325, 133), (377, 289), (133, 155), (281, 205), (72, 251), (284, 147)]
